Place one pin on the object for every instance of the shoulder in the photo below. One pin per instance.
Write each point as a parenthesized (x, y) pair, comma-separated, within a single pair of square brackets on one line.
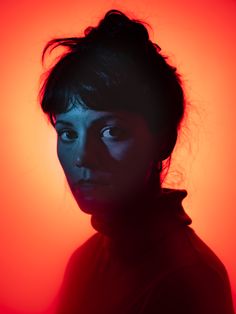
[(78, 273), (84, 254), (184, 248), (193, 290), (206, 260), (88, 248), (197, 281)]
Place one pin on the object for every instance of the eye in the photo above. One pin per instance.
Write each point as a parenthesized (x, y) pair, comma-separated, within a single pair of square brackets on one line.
[(113, 133), (67, 135)]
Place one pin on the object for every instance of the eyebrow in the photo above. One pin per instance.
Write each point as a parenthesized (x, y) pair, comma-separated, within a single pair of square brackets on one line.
[(100, 119), (64, 122)]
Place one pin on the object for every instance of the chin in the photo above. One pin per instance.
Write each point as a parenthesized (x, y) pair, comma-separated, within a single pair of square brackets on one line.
[(95, 207)]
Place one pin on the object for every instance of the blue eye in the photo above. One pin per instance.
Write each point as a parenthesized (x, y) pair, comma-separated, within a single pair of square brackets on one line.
[(112, 133), (67, 135)]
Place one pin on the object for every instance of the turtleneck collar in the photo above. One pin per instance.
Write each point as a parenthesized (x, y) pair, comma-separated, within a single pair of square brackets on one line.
[(159, 217)]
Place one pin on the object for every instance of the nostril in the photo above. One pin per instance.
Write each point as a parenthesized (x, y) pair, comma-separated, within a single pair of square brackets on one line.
[(84, 160)]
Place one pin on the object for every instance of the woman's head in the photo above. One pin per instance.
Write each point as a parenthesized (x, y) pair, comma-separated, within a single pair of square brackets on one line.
[(114, 70)]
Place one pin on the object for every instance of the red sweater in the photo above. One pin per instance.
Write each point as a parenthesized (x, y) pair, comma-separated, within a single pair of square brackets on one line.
[(162, 267)]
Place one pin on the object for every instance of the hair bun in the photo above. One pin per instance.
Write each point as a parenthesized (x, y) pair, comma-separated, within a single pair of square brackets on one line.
[(116, 25)]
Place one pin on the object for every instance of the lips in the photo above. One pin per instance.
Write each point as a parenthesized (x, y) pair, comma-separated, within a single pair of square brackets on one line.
[(90, 184)]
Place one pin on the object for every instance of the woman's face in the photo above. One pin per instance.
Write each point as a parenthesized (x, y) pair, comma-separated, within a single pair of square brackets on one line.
[(106, 156)]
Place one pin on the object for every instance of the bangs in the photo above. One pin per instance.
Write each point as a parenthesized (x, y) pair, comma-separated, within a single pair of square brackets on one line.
[(103, 80)]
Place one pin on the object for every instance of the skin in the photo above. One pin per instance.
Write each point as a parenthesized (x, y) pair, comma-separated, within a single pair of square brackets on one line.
[(115, 148)]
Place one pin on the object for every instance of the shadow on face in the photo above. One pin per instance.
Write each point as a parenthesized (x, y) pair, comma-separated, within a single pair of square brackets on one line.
[(106, 156)]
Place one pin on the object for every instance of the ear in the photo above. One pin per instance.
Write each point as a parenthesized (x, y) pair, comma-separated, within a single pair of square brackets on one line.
[(167, 144)]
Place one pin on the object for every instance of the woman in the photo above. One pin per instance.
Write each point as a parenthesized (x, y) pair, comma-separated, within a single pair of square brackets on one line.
[(117, 106)]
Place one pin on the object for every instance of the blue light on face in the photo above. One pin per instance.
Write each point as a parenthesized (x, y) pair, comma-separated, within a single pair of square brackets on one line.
[(115, 149)]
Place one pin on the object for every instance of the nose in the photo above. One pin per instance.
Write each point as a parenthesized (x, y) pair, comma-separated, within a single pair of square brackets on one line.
[(85, 153)]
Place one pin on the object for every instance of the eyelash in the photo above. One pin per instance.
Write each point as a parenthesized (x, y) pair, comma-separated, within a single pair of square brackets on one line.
[(117, 137), (121, 132), (65, 131)]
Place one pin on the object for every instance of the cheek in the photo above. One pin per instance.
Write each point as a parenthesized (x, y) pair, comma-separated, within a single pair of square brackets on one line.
[(65, 159), (127, 151), (133, 162)]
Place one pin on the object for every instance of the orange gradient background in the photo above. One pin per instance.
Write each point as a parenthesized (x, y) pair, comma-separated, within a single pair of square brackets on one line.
[(40, 223)]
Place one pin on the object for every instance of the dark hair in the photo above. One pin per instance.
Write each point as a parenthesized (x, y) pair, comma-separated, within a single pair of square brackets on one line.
[(115, 66)]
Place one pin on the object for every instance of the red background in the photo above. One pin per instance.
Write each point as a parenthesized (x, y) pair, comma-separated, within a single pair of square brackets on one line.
[(40, 223)]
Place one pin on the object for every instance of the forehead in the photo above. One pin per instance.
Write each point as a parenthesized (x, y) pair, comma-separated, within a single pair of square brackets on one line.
[(85, 115)]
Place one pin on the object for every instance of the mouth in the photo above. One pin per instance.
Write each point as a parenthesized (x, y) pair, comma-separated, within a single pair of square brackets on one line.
[(89, 184)]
